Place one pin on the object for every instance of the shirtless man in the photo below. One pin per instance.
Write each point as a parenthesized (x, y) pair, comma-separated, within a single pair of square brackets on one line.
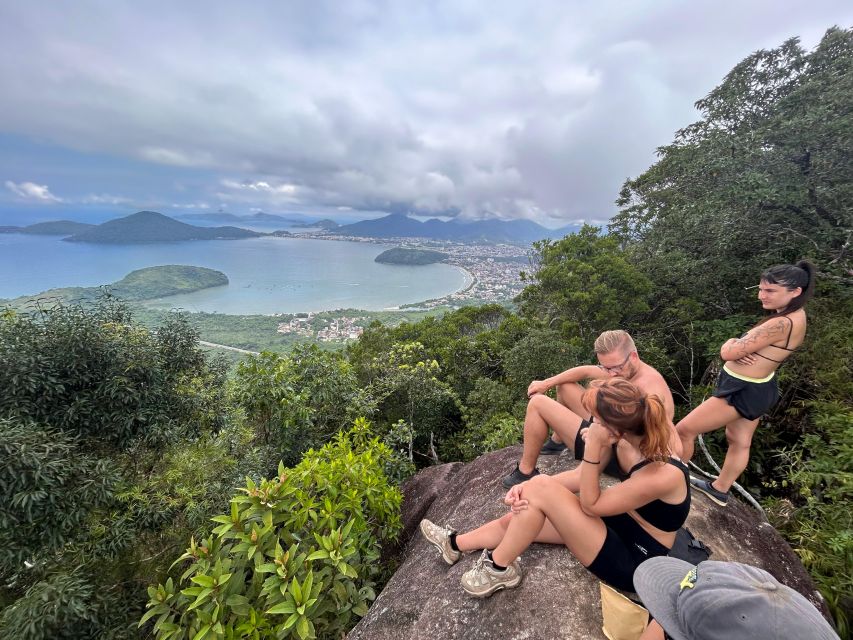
[(617, 356)]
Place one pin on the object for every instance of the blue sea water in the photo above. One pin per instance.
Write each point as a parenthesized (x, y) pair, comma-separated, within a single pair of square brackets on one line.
[(267, 275)]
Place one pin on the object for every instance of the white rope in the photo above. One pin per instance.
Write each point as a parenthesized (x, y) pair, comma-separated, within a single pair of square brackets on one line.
[(746, 495)]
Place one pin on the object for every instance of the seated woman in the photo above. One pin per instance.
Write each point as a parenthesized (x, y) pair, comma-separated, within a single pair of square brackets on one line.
[(612, 531), (746, 388)]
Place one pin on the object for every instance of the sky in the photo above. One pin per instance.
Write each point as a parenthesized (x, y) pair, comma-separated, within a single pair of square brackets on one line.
[(354, 109)]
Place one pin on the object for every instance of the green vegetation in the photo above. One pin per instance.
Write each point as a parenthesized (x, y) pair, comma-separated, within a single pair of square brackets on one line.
[(123, 442), (296, 557), (142, 284), (402, 255)]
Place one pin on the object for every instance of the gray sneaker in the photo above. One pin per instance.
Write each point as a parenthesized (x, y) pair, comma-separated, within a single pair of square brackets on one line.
[(720, 497), (439, 537), (482, 580), (517, 477)]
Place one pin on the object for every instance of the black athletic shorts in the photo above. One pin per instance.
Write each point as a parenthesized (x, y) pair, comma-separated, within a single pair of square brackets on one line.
[(612, 467), (750, 399), (626, 546)]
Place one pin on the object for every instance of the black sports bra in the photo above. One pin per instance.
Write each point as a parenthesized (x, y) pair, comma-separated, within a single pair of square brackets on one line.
[(785, 348), (663, 515)]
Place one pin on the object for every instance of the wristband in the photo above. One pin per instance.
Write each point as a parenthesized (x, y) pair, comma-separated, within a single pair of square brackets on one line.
[(590, 461)]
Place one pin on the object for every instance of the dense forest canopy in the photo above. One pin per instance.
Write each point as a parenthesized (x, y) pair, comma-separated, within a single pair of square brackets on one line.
[(120, 445)]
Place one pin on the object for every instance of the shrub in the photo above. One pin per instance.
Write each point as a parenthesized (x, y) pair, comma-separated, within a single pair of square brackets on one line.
[(296, 557)]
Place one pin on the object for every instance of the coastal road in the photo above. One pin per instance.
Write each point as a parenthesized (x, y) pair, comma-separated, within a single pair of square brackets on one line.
[(225, 346)]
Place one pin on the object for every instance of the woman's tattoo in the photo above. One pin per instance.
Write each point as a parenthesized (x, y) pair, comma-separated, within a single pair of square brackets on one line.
[(768, 329)]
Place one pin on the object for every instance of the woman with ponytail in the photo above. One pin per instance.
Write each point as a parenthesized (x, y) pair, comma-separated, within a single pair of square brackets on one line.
[(610, 531), (746, 388)]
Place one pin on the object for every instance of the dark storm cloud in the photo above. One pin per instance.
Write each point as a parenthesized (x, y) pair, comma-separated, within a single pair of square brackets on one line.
[(536, 110)]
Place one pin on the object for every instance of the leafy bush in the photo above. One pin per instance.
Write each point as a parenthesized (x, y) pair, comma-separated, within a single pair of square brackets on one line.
[(296, 557), (299, 400)]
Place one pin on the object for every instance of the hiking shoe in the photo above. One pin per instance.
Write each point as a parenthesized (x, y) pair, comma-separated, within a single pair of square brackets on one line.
[(517, 477), (439, 537), (482, 580), (720, 497), (551, 448)]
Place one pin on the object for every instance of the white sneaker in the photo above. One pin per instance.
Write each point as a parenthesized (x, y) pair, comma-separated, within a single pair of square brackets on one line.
[(439, 537), (482, 580)]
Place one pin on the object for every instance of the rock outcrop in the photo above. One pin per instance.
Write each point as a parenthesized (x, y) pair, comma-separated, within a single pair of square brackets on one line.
[(558, 598)]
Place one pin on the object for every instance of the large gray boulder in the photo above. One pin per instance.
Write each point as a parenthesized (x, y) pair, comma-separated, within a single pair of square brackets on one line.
[(558, 597)]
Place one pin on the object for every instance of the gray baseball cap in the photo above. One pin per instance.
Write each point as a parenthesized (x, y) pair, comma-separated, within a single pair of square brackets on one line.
[(725, 600)]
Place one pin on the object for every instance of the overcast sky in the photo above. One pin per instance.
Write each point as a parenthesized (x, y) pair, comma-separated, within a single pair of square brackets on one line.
[(510, 109)]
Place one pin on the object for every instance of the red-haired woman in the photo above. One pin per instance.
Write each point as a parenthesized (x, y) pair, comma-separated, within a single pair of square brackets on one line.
[(611, 531), (746, 388)]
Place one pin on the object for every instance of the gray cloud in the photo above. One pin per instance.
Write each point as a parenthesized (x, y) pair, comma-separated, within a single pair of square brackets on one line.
[(522, 110)]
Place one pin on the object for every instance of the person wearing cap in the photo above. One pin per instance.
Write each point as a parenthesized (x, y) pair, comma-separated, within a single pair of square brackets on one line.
[(721, 601)]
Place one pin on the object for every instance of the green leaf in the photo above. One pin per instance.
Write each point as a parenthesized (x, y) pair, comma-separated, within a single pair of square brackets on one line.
[(200, 599), (302, 627), (288, 606), (204, 581), (296, 590), (202, 632)]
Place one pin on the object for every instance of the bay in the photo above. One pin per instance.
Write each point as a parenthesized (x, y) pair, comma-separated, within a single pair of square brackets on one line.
[(267, 275)]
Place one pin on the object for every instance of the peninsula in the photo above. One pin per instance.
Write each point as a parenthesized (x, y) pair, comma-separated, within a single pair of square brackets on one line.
[(143, 284)]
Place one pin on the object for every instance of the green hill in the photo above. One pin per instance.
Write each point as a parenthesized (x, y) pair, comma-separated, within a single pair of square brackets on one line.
[(150, 226), (400, 255), (142, 284), (58, 228)]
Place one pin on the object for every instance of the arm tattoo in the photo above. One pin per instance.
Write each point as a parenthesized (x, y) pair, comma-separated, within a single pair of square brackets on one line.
[(768, 329)]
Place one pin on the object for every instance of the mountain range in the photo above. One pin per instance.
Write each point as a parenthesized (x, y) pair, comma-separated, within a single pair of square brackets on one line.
[(401, 226), (150, 226)]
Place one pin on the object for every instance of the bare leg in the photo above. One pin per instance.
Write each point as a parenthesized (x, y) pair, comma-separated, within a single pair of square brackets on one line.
[(653, 632), (739, 434), (569, 395), (490, 535), (584, 535), (543, 412), (708, 416)]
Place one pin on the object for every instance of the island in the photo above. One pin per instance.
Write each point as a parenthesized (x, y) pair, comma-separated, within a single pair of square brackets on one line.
[(402, 255), (150, 226), (53, 228), (143, 284)]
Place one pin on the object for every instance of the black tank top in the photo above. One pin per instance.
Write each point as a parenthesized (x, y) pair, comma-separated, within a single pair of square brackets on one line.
[(660, 514)]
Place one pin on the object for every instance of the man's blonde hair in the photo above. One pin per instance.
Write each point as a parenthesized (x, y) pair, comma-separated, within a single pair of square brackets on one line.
[(616, 340)]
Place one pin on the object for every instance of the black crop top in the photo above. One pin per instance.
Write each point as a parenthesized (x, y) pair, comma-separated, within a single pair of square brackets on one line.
[(660, 514)]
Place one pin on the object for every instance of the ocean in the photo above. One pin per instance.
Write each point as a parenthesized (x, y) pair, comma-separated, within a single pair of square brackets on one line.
[(267, 275)]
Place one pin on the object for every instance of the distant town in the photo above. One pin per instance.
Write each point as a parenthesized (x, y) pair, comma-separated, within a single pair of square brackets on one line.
[(493, 271)]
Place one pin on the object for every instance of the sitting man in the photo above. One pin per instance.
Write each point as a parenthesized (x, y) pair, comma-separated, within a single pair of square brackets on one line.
[(617, 356)]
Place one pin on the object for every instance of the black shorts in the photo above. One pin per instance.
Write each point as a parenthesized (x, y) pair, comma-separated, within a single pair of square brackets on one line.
[(750, 399), (612, 467), (626, 546)]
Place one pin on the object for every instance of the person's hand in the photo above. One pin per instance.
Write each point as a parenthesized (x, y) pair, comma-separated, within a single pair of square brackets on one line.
[(747, 359), (537, 386), (584, 432), (598, 434), (514, 499)]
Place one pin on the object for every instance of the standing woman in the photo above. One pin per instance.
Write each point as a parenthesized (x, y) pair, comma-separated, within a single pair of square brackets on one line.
[(610, 532), (746, 388)]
